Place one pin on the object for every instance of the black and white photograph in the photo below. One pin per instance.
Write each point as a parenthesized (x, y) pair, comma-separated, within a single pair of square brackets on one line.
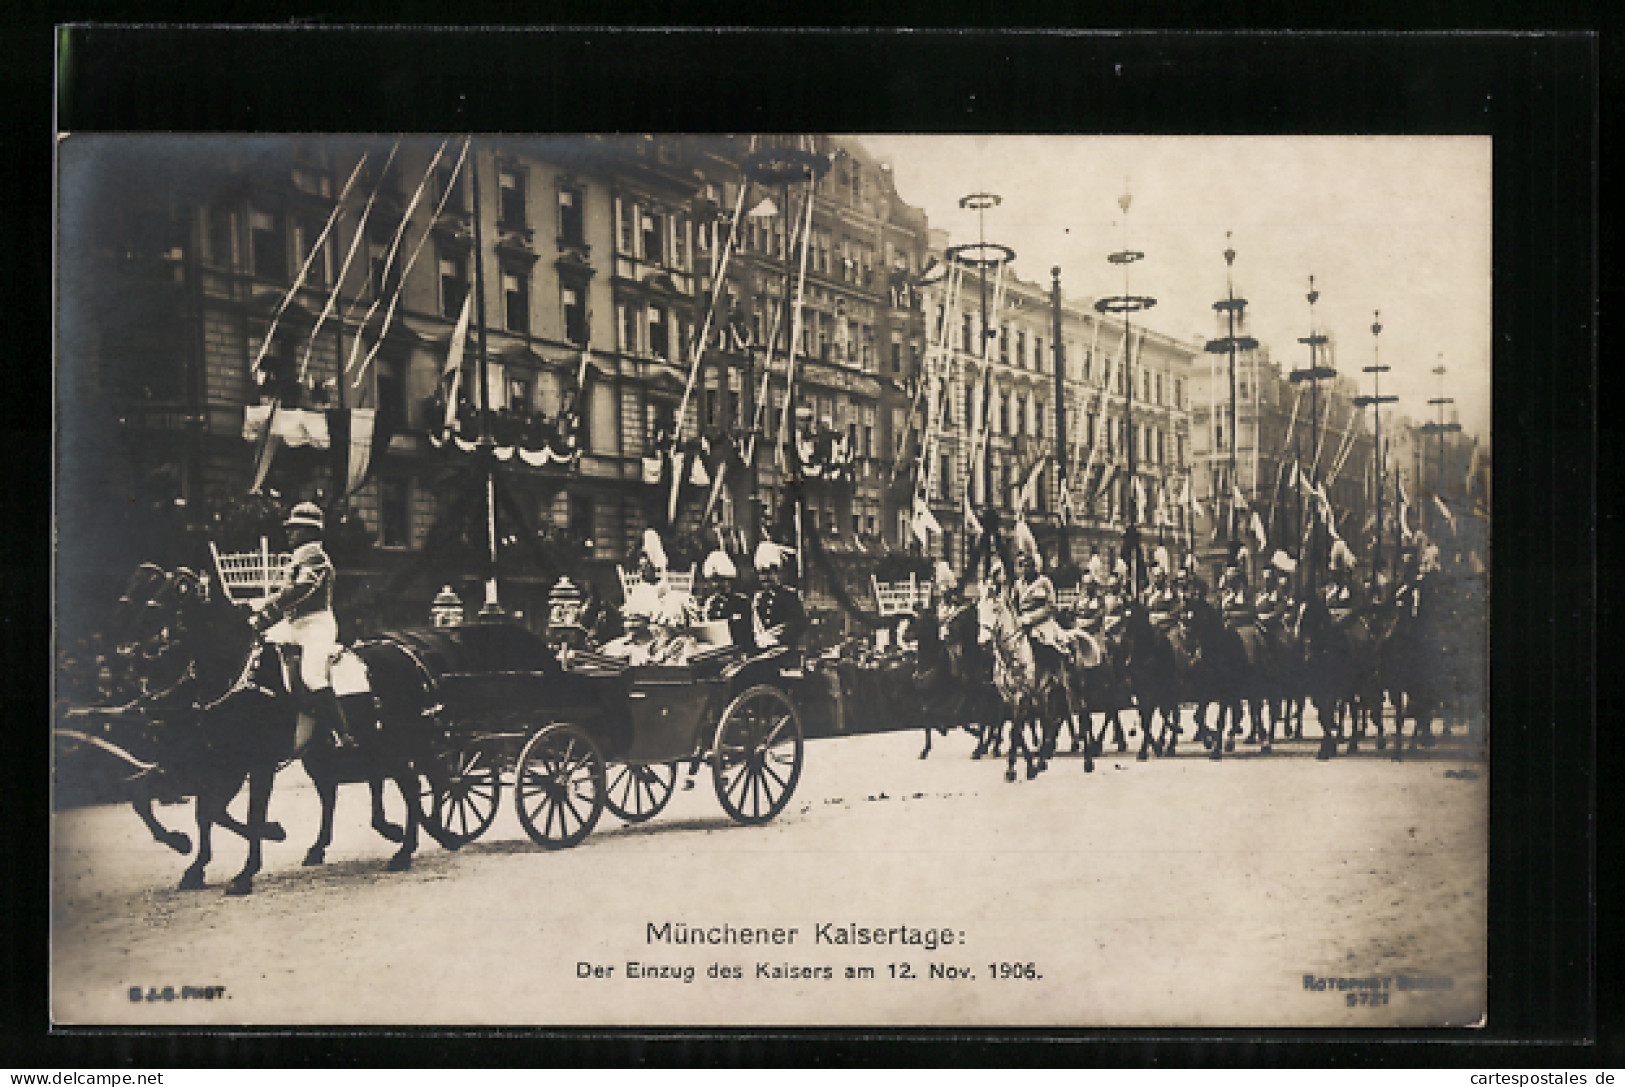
[(817, 578)]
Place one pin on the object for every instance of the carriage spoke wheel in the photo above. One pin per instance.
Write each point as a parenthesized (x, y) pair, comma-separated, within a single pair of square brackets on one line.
[(460, 795), (756, 759), (559, 786), (638, 793)]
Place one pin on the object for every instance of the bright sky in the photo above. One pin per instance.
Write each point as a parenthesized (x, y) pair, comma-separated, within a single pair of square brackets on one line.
[(1400, 224)]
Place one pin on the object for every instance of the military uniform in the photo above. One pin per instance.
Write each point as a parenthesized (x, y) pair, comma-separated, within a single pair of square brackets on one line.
[(300, 613)]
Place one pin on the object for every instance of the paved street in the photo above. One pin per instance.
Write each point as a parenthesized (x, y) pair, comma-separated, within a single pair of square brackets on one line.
[(1258, 890)]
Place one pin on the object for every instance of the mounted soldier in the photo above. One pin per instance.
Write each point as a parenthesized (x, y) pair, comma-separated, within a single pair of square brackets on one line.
[(1233, 601), (1091, 606), (1035, 603), (1160, 600), (1340, 598), (298, 620)]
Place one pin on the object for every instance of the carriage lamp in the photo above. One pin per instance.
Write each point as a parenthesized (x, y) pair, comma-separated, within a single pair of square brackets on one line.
[(447, 609)]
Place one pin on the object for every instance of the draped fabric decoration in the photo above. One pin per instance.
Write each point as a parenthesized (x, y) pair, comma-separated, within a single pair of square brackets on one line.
[(355, 438), (824, 453), (563, 453)]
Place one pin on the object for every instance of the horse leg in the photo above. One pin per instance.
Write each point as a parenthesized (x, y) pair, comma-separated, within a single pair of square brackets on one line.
[(327, 788), (174, 839), (260, 780), (927, 749), (407, 782), (203, 808), (1326, 711), (380, 822), (1117, 732), (1015, 739)]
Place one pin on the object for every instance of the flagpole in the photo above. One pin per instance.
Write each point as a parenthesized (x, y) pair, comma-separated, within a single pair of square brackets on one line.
[(1315, 372), (492, 608), (1231, 306)]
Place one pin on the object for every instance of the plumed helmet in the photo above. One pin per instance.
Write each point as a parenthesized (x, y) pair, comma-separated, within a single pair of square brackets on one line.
[(1342, 557), (945, 577), (1283, 562), (718, 564), (653, 549), (768, 555), (1027, 545), (1161, 559), (308, 514)]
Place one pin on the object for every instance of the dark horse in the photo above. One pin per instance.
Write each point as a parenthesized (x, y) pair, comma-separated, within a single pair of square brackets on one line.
[(233, 720), (1339, 671), (953, 675), (1144, 664), (1415, 665)]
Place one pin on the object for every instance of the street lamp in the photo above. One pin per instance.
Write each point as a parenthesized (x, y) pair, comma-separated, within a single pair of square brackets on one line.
[(1126, 304), (982, 256), (1313, 374), (1376, 400), (1233, 308)]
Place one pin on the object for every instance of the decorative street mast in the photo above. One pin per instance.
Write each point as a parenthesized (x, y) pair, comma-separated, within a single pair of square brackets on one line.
[(1126, 304), (1313, 374), (1441, 428), (1376, 400), (1063, 553), (492, 608), (983, 256), (1233, 308), (779, 168)]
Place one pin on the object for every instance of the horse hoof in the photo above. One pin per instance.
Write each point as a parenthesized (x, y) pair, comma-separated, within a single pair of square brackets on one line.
[(1230, 746), (1216, 754), (314, 857), (191, 881), (1032, 772), (240, 886), (1143, 755), (179, 842), (400, 862), (976, 754), (391, 832), (1076, 747), (273, 832), (1009, 775)]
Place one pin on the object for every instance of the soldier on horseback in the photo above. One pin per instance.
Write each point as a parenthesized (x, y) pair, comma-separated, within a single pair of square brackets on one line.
[(1233, 601), (1091, 606), (1340, 597), (1035, 604), (298, 620), (1160, 600)]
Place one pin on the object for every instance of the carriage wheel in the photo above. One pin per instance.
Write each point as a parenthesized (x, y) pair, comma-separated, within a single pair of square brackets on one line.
[(460, 795), (558, 786), (756, 759), (638, 793)]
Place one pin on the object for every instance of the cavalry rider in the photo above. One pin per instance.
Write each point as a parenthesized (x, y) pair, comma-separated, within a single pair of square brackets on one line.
[(298, 619), (1091, 606), (1095, 569), (780, 618), (1233, 600), (1340, 591), (1160, 600), (1113, 606), (1035, 602)]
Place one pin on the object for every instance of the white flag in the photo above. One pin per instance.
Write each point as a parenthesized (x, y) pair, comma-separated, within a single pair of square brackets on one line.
[(454, 359)]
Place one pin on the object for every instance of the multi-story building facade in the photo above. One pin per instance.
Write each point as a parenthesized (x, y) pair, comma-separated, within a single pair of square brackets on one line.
[(354, 257), (1013, 395), (1273, 431)]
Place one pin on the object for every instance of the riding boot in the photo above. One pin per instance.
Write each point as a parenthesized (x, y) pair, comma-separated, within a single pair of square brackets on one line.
[(330, 718)]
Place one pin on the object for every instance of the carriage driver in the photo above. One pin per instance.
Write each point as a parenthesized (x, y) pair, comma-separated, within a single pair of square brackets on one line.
[(299, 621)]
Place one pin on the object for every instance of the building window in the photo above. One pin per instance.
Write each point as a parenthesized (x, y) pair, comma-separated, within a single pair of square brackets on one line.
[(449, 180), (1004, 343), (392, 411), (1088, 365), (519, 395), (581, 517), (573, 299), (1021, 348), (626, 216), (267, 249), (320, 268), (965, 334), (510, 197), (221, 237), (1159, 388), (1038, 354), (516, 301), (394, 520), (1179, 391), (652, 228), (626, 329), (453, 285), (1038, 419), (658, 340), (945, 466), (679, 240), (896, 353), (572, 229)]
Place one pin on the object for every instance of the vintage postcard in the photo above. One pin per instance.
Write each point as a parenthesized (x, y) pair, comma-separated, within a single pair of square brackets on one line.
[(771, 579)]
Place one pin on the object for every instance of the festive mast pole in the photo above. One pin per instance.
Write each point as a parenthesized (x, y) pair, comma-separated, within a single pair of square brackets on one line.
[(1064, 548), (1126, 304), (492, 608), (983, 256), (1313, 374), (1375, 401), (1440, 428), (1232, 307)]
